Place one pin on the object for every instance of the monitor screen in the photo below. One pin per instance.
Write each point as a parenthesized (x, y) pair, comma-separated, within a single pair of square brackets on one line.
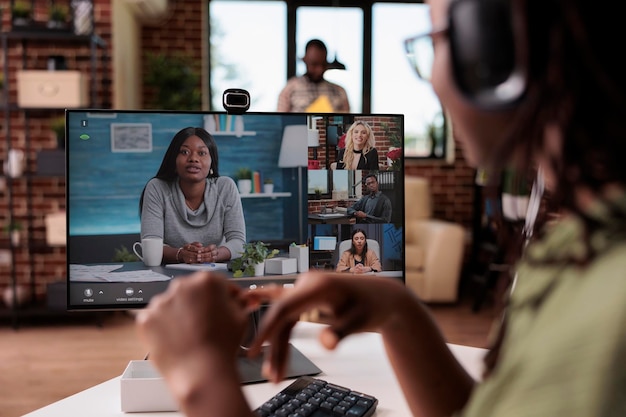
[(275, 174)]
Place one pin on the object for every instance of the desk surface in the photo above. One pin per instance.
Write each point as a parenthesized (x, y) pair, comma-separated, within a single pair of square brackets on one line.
[(333, 218), (358, 363)]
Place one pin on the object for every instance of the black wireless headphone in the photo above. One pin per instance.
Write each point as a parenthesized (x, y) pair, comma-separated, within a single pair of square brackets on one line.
[(488, 62)]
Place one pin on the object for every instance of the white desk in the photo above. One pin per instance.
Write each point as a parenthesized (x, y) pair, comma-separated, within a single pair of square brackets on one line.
[(358, 363)]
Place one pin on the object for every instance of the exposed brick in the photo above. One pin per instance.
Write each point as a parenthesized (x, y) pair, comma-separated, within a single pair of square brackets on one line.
[(452, 184)]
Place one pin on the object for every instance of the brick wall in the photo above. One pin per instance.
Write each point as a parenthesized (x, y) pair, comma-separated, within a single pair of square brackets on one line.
[(32, 196), (178, 34), (452, 185)]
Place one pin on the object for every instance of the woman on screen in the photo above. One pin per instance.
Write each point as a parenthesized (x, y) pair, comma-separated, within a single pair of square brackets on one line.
[(359, 152), (196, 212), (359, 259)]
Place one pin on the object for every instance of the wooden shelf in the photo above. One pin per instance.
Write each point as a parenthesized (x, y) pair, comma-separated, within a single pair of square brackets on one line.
[(17, 192)]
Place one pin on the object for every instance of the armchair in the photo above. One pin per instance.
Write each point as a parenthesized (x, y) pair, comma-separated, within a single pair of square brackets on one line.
[(434, 248)]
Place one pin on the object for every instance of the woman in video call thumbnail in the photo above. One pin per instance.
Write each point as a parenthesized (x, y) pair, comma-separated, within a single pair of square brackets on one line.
[(359, 259), (359, 152), (197, 212)]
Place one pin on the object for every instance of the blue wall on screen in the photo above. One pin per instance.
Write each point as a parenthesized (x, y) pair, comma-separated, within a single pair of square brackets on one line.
[(105, 186)]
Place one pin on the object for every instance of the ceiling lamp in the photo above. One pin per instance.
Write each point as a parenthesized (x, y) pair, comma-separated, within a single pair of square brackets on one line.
[(336, 65)]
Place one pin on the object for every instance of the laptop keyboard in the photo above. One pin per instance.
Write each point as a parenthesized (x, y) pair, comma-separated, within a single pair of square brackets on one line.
[(313, 397)]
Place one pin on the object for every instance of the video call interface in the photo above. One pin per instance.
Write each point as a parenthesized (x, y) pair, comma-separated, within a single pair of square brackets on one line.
[(298, 198)]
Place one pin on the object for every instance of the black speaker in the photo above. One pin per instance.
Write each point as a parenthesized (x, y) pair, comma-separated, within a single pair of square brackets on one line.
[(487, 62)]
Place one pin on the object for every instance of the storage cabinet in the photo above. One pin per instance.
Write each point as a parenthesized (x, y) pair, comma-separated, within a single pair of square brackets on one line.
[(28, 195)]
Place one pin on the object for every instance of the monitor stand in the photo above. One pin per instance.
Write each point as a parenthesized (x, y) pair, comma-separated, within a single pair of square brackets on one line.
[(250, 368), (298, 365)]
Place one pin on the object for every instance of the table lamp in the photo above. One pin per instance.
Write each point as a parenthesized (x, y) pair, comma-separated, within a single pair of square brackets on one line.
[(313, 140), (294, 154)]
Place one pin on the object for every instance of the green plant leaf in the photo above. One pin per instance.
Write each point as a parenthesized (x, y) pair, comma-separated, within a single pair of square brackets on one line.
[(253, 253), (174, 81), (122, 254)]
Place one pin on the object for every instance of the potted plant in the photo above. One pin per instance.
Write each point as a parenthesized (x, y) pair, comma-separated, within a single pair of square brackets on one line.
[(252, 260), (58, 127), (318, 193), (57, 16), (173, 81), (122, 254), (268, 186), (14, 229), (21, 13), (244, 180)]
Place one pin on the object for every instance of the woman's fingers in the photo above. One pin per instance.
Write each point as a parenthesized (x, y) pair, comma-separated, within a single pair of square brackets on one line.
[(275, 363), (254, 298)]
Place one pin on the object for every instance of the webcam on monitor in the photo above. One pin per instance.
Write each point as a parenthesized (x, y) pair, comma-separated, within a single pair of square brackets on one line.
[(236, 100)]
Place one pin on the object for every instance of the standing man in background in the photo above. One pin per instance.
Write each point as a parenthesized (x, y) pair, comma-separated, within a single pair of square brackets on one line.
[(311, 92)]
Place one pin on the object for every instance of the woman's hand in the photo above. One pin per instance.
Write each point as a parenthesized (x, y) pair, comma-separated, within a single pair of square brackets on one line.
[(350, 305), (198, 316), (193, 331), (196, 253), (360, 269)]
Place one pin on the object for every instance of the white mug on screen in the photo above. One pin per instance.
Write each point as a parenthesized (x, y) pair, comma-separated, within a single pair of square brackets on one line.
[(151, 250)]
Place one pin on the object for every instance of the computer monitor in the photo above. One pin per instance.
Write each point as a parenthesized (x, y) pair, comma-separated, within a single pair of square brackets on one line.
[(112, 154)]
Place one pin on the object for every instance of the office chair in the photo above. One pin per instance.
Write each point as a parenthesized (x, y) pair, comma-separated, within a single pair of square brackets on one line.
[(344, 245)]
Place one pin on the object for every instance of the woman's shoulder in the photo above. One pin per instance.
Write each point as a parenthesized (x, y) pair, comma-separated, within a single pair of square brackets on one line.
[(157, 184), (225, 184), (372, 159), (225, 181), (373, 152)]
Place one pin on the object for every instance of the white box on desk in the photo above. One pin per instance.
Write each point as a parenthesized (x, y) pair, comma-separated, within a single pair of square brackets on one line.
[(281, 266), (143, 389), (301, 253), (56, 89)]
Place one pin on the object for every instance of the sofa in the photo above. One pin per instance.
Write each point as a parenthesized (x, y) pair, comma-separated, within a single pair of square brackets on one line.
[(433, 248)]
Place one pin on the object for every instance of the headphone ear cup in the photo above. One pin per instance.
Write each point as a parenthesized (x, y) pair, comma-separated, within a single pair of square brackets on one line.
[(484, 53)]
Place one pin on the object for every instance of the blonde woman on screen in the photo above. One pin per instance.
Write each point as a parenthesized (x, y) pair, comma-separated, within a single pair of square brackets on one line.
[(359, 152)]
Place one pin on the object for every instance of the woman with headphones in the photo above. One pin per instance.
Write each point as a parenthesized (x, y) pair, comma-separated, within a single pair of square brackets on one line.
[(538, 84)]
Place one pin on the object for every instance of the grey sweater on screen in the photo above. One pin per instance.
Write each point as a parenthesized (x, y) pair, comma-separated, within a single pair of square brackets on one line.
[(218, 220)]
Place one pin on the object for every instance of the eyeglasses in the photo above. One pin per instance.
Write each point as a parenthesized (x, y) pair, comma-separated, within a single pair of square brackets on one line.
[(486, 58), (420, 52)]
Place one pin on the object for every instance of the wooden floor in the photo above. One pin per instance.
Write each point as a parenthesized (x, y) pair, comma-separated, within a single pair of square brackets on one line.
[(43, 363)]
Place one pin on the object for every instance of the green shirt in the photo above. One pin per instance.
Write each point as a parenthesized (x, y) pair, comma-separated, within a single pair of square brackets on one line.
[(564, 351)]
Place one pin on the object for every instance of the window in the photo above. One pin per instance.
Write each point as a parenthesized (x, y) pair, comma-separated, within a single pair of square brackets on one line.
[(318, 183), (395, 87), (322, 182), (340, 180), (248, 50), (341, 29)]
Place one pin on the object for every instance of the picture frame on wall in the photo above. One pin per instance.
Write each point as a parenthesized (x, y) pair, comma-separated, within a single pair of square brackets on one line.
[(131, 137)]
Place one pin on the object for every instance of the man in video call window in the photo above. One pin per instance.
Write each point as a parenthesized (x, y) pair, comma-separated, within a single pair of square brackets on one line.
[(374, 207)]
